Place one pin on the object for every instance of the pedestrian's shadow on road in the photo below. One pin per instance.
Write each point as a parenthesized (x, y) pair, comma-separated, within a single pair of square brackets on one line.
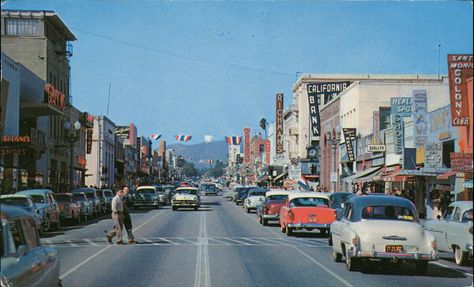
[(408, 269)]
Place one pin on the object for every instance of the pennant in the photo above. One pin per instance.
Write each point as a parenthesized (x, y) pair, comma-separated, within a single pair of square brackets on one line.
[(155, 136), (183, 138), (208, 138), (233, 140)]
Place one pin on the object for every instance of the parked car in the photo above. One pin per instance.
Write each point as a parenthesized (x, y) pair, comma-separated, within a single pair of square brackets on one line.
[(242, 194), (92, 197), (308, 211), (270, 208), (24, 261), (109, 194), (69, 208), (231, 192), (103, 200), (87, 209), (337, 200), (161, 194), (147, 196), (208, 188), (255, 197), (379, 227), (47, 205), (453, 232), (25, 202), (186, 197)]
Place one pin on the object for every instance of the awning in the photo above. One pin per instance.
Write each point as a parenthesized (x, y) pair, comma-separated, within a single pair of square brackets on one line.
[(369, 177), (363, 173), (394, 176), (446, 175), (468, 184), (280, 176)]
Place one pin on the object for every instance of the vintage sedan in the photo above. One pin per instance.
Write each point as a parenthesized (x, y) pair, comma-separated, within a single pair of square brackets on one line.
[(92, 197), (231, 192), (87, 210), (453, 232), (242, 193), (25, 202), (69, 208), (255, 197), (308, 211), (186, 197), (24, 261), (380, 227), (47, 205), (146, 196), (208, 188), (270, 208)]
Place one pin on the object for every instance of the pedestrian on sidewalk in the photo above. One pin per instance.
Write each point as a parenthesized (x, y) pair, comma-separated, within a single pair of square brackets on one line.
[(127, 220), (117, 216)]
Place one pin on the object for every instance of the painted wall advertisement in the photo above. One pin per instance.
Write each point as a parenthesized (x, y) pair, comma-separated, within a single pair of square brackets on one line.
[(349, 136), (420, 117), (279, 124), (434, 154), (246, 145), (460, 68), (461, 162), (401, 107)]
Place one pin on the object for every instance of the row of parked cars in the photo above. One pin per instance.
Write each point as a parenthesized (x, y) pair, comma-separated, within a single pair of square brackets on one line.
[(362, 229)]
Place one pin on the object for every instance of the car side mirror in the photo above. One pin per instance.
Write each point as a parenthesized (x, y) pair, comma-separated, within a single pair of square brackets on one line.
[(438, 216), (21, 250)]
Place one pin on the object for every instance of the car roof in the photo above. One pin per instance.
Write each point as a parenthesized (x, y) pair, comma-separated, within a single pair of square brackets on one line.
[(308, 194), (186, 188), (373, 200), (15, 196), (147, 187), (64, 193), (83, 189), (463, 204), (34, 191), (10, 212), (278, 192)]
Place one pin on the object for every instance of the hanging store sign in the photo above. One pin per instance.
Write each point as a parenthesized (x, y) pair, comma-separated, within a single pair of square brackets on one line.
[(434, 154), (267, 152), (89, 133), (315, 122), (349, 136), (279, 123), (460, 69), (15, 139), (54, 97), (400, 107), (375, 148), (420, 118), (247, 145), (461, 162)]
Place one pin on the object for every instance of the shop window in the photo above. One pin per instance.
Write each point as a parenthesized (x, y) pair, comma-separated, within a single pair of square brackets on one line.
[(448, 148)]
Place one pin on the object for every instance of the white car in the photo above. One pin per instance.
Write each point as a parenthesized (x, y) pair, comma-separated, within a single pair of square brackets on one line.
[(384, 228), (453, 232), (255, 196), (186, 197)]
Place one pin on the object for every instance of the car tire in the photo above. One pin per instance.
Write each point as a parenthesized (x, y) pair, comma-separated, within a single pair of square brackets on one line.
[(288, 231), (460, 257), (247, 210), (336, 257), (46, 224), (421, 267), (351, 263), (196, 209), (264, 222), (174, 208)]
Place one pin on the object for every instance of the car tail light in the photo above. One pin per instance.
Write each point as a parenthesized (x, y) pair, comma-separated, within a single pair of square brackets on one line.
[(355, 241), (433, 244), (291, 215)]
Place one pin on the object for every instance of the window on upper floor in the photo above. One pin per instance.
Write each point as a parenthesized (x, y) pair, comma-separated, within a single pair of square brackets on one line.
[(19, 26)]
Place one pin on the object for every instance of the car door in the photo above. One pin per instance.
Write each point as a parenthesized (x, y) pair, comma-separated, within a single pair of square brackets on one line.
[(454, 234), (440, 229)]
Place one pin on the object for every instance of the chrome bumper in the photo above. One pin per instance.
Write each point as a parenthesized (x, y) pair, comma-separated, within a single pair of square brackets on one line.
[(271, 216), (308, 225), (393, 255)]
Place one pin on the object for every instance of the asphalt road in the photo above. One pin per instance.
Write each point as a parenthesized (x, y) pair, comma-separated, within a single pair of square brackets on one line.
[(221, 245)]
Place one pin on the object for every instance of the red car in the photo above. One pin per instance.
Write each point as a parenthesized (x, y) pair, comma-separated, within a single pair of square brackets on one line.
[(308, 211), (270, 208)]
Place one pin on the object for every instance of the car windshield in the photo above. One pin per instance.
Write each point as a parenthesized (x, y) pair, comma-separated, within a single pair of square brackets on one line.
[(388, 212), (63, 198), (309, 201), (78, 197), (146, 191), (186, 191), (37, 198), (277, 197), (467, 215), (18, 201)]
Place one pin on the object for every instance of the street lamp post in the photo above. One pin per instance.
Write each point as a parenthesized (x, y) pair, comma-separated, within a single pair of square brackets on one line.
[(332, 138), (72, 137)]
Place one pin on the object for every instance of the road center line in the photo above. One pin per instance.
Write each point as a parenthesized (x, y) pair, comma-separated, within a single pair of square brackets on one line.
[(102, 250)]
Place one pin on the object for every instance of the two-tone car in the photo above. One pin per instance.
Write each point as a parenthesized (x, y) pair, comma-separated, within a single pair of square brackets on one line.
[(382, 228), (69, 209), (306, 211), (270, 208), (186, 197), (25, 202), (146, 196), (47, 206), (255, 197), (86, 207), (24, 261), (242, 193), (453, 231)]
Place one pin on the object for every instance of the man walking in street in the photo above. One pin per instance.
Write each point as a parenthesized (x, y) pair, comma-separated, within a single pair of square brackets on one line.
[(117, 216), (127, 220)]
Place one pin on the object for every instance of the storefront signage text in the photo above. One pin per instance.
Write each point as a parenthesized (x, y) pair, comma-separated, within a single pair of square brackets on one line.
[(315, 123), (54, 97), (349, 136), (401, 107), (328, 91), (460, 68), (15, 139), (246, 145), (420, 117), (376, 148), (267, 152), (279, 123), (461, 162)]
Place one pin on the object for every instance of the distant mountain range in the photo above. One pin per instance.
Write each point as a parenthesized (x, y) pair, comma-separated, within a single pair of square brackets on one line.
[(199, 154)]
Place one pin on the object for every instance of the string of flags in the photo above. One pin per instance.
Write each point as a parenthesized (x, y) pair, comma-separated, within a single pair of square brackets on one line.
[(183, 138), (233, 140), (155, 136)]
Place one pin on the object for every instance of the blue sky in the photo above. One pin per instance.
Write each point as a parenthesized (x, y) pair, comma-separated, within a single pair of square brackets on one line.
[(214, 67)]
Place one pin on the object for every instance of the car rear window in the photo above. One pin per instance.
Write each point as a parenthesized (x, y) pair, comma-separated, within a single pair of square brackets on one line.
[(309, 201), (146, 190), (257, 193), (388, 212), (15, 201), (277, 197)]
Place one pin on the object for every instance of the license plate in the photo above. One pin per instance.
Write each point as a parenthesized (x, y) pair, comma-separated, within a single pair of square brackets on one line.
[(393, 248)]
